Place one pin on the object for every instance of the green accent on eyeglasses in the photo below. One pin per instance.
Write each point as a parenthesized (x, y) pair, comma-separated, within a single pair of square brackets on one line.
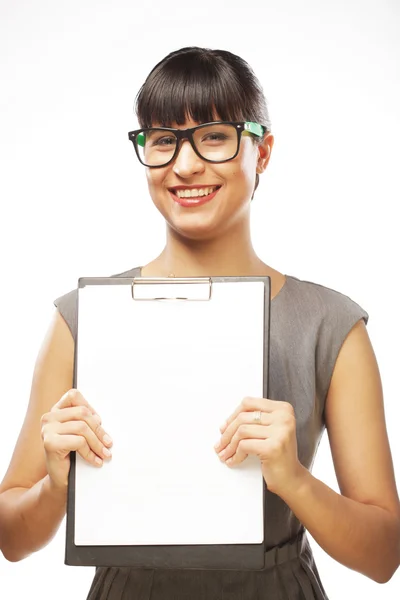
[(255, 128), (140, 139)]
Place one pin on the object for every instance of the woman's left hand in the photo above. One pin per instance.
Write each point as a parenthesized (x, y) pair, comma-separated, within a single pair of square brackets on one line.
[(273, 440)]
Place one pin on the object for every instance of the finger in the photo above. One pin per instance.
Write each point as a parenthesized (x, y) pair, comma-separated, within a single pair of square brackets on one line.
[(87, 453), (246, 448), (78, 413), (64, 444), (81, 428), (244, 432), (73, 398), (244, 418), (239, 456), (250, 403)]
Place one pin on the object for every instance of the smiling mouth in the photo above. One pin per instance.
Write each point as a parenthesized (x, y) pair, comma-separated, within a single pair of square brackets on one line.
[(195, 196), (199, 192)]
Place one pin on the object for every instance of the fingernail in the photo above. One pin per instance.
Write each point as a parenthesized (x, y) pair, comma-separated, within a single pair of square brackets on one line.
[(106, 452), (98, 461), (107, 439), (217, 445), (221, 454), (223, 426)]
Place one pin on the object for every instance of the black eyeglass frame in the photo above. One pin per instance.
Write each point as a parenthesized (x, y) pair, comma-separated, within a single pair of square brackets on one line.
[(187, 134)]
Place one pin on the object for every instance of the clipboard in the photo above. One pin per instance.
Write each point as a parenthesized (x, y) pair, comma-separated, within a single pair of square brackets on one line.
[(165, 361)]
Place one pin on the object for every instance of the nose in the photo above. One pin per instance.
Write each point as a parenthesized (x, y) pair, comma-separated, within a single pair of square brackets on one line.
[(187, 162)]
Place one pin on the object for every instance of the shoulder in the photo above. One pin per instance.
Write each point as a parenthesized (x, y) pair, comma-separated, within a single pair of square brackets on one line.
[(135, 272), (323, 317), (67, 304), (329, 305)]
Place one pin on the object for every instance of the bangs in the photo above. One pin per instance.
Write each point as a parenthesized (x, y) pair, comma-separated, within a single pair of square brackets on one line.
[(201, 87)]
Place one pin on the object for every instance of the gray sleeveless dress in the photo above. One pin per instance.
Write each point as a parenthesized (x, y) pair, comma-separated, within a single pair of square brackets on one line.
[(309, 323)]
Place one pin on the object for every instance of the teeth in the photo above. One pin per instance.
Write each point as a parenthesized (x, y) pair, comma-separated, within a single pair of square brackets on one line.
[(194, 193)]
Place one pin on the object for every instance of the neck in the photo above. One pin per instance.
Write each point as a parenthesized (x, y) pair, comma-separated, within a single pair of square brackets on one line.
[(230, 254)]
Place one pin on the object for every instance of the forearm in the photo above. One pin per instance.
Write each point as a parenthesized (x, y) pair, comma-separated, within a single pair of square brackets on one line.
[(29, 518), (362, 537)]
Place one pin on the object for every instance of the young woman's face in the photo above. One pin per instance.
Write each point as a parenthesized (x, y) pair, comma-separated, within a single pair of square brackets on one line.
[(227, 207)]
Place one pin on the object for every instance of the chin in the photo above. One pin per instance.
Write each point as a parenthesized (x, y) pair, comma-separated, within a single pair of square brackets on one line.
[(204, 223), (195, 232)]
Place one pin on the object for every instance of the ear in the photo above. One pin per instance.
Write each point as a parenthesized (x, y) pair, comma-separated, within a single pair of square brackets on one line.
[(264, 151)]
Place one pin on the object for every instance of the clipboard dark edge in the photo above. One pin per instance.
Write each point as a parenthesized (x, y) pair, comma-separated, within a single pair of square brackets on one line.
[(229, 557)]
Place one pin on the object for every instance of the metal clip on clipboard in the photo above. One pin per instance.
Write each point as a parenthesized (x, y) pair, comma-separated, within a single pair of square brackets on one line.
[(137, 281)]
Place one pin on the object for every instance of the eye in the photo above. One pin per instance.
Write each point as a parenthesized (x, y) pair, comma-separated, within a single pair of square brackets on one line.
[(169, 140), (215, 137)]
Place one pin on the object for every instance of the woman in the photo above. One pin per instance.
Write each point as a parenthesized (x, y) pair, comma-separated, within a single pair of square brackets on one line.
[(202, 175)]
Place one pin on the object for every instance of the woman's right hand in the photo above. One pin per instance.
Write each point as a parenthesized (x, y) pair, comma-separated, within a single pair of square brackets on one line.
[(72, 424)]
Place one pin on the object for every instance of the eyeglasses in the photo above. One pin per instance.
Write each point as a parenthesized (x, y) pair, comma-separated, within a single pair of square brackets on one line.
[(215, 142)]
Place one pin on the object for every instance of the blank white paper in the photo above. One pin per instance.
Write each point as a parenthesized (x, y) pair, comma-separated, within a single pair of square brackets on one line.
[(164, 375)]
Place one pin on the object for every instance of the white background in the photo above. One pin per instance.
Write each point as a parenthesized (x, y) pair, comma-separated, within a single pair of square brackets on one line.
[(74, 200)]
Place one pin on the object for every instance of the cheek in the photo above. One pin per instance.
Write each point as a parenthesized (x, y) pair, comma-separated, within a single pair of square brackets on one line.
[(243, 169), (233, 173), (241, 178), (155, 178)]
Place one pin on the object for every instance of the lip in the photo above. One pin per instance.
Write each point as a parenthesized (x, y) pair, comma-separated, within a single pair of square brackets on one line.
[(191, 202)]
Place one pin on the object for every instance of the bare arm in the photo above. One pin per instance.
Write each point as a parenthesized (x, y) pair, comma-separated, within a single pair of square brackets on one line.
[(360, 527), (29, 518), (59, 420), (31, 510)]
